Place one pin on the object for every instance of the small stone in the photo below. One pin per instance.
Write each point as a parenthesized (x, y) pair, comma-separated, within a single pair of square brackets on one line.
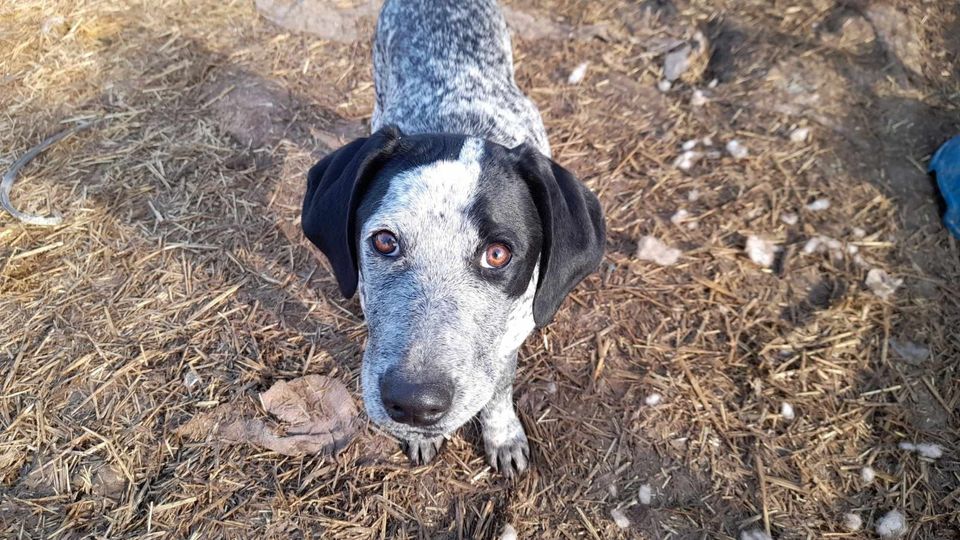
[(737, 150), (693, 195), (676, 62), (761, 251), (698, 99), (191, 379), (799, 135), (653, 250), (789, 218), (819, 205), (645, 494), (664, 86), (707, 141), (679, 216), (892, 525), (927, 450), (689, 145), (578, 73), (687, 160), (852, 522), (882, 284), (930, 450), (509, 533), (653, 399), (787, 412), (868, 475), (620, 518)]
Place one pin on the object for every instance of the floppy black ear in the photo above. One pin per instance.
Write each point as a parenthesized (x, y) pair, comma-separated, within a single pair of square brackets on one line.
[(573, 230), (335, 186)]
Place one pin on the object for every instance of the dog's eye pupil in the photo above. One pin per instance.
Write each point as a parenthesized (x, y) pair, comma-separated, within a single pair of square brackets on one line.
[(497, 255), (385, 242)]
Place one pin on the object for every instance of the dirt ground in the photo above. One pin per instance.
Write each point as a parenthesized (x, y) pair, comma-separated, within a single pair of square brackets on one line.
[(179, 282)]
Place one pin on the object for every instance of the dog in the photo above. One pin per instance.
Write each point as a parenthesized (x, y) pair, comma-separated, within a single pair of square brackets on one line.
[(451, 220)]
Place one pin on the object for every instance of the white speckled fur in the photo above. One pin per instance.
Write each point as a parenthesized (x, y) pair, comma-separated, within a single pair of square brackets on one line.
[(427, 82)]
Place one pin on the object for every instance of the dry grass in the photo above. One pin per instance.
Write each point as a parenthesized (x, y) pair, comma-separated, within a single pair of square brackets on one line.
[(180, 253)]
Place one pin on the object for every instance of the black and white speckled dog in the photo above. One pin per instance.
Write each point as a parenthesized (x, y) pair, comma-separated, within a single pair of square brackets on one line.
[(459, 231)]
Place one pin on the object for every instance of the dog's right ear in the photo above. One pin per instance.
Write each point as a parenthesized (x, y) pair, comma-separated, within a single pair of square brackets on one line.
[(335, 186)]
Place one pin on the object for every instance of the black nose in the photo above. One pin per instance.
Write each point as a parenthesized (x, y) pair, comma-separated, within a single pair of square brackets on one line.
[(415, 402)]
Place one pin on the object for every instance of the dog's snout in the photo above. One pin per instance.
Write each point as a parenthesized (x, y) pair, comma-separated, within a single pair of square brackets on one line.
[(415, 402)]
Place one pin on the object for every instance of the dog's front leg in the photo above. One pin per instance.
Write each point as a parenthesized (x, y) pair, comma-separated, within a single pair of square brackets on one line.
[(504, 440)]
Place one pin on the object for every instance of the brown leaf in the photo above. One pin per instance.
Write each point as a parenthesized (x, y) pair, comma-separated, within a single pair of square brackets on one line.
[(318, 416)]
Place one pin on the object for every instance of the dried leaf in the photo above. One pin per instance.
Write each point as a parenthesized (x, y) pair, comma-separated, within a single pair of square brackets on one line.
[(318, 416)]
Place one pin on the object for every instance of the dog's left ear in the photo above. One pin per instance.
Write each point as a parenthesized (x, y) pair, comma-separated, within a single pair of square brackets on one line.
[(574, 231), (335, 186)]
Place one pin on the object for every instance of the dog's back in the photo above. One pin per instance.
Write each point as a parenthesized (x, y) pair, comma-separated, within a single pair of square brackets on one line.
[(446, 66)]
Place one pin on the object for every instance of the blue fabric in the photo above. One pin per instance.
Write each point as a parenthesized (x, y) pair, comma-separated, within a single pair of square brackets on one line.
[(946, 165)]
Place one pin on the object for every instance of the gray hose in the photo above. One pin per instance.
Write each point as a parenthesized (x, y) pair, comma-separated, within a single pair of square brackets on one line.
[(11, 174)]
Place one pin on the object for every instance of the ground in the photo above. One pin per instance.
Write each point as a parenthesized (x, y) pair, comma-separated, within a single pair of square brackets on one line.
[(179, 281)]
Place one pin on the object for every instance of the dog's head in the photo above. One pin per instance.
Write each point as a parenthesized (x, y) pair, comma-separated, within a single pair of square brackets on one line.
[(459, 248)]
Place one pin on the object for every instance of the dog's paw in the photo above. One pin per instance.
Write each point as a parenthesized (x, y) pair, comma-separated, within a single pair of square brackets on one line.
[(422, 451), (507, 448)]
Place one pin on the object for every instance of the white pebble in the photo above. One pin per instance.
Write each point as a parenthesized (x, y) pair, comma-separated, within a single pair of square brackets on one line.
[(653, 399), (693, 194), (881, 283), (653, 250), (754, 534), (698, 99), (868, 475), (789, 218), (892, 525), (676, 62), (552, 388), (858, 232), (787, 412), (799, 135), (191, 379), (620, 518), (509, 533), (707, 141), (686, 160), (812, 245), (927, 450), (664, 86), (645, 494), (818, 205), (679, 216), (578, 73), (761, 251), (930, 450), (689, 145), (737, 150), (852, 522), (713, 83)]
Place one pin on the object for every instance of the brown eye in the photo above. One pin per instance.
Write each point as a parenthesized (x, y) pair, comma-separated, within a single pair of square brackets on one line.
[(497, 255), (385, 243)]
